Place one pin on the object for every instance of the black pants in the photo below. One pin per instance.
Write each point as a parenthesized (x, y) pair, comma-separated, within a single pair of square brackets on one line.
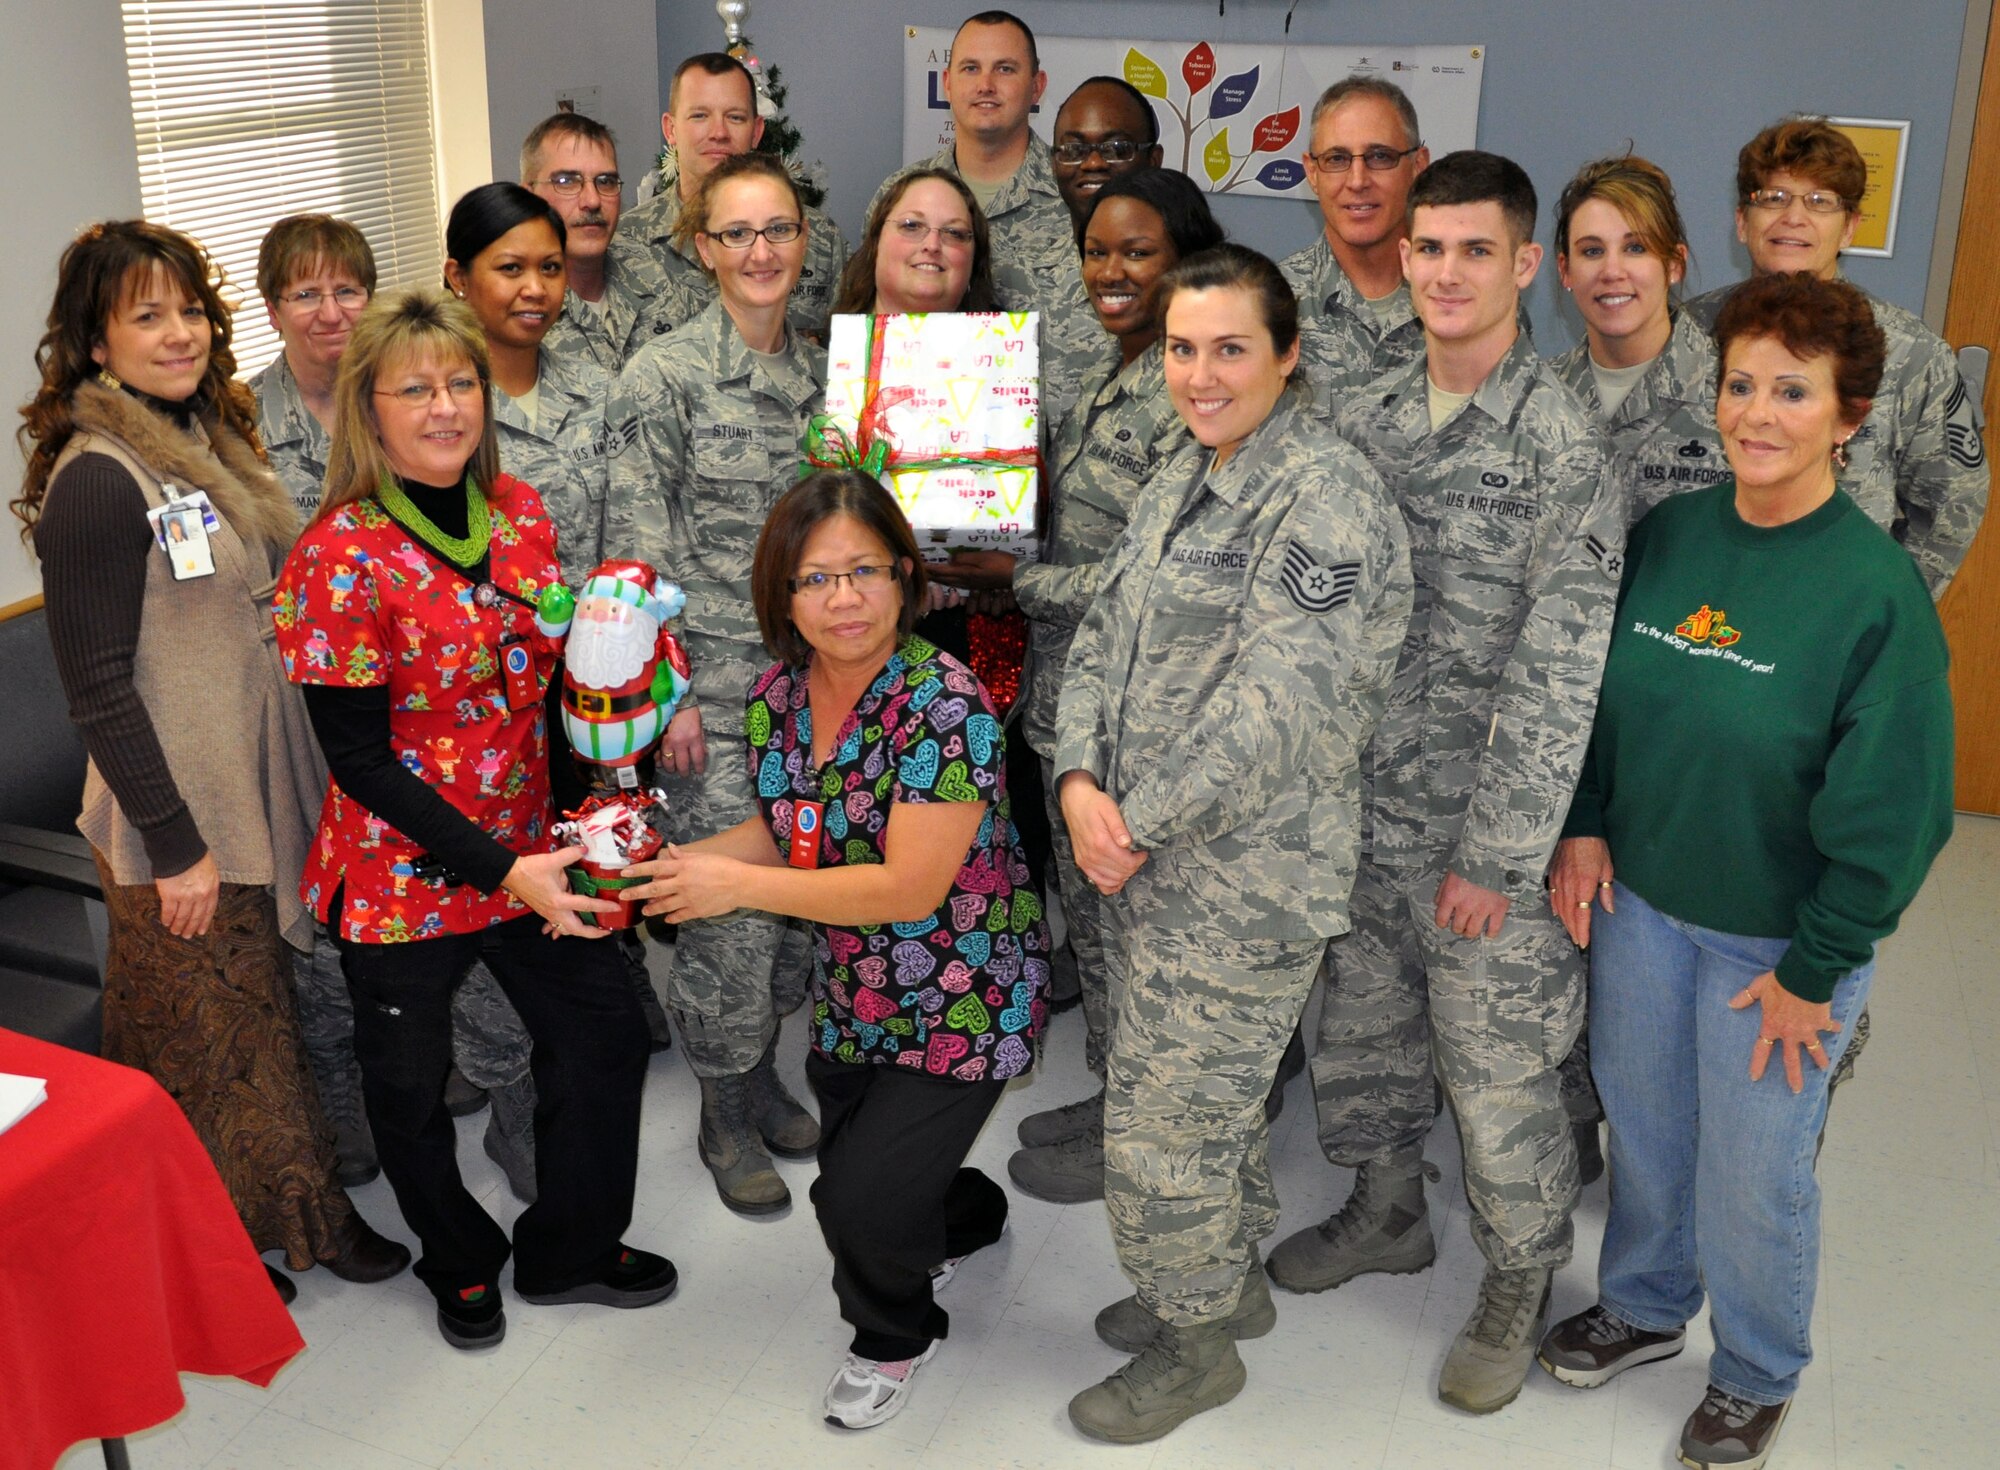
[(894, 1198), (589, 1066)]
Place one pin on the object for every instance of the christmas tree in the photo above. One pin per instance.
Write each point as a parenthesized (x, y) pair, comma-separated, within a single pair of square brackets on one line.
[(781, 136)]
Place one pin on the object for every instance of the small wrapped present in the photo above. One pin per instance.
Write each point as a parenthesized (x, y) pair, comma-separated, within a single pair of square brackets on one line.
[(944, 409)]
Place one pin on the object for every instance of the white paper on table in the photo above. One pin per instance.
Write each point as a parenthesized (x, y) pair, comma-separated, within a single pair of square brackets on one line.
[(20, 1096)]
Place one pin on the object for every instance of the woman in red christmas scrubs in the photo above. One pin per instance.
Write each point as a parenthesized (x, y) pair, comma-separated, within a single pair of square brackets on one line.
[(406, 612)]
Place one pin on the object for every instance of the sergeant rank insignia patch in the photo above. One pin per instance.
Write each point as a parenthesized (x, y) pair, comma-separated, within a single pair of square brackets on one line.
[(1318, 589)]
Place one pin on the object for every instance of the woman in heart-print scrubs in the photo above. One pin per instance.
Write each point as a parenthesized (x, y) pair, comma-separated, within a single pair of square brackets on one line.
[(884, 822)]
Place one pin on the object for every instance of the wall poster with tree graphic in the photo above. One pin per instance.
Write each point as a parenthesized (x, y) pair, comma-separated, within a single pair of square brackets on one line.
[(1234, 116)]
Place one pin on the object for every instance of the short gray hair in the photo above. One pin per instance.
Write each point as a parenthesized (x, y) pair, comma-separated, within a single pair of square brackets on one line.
[(1363, 86)]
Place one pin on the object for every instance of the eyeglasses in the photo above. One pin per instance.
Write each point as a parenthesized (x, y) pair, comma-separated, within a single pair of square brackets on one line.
[(916, 230), (739, 237), (1377, 160), (1819, 201), (1113, 151), (568, 182), (821, 584), (347, 298), (423, 395)]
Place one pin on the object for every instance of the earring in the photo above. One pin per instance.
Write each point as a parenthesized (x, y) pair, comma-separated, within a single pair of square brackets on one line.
[(1840, 458), (109, 379), (460, 295)]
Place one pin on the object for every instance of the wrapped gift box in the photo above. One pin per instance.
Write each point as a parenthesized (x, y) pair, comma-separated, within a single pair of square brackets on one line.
[(950, 406)]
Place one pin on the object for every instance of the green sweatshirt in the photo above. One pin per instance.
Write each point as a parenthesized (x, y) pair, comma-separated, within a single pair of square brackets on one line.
[(1773, 747)]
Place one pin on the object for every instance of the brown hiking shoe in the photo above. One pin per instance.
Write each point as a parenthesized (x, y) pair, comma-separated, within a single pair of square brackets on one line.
[(1728, 1433), (1594, 1347)]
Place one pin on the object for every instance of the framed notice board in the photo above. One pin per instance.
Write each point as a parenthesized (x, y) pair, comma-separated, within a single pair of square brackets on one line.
[(1885, 145)]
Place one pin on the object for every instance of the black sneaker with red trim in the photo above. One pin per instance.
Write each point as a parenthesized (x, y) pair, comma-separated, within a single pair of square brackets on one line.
[(472, 1316), (636, 1279)]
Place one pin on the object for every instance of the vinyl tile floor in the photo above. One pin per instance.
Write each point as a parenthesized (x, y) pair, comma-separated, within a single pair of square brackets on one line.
[(730, 1372)]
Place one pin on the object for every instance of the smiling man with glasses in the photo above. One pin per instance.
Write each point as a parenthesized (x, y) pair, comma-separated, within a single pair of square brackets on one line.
[(712, 115), (618, 299), (1104, 129), (1355, 315)]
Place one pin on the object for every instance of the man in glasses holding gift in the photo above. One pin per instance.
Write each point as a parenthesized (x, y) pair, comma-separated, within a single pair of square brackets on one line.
[(618, 300), (1355, 317), (712, 114)]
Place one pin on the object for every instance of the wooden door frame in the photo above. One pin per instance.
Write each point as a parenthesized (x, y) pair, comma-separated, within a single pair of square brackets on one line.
[(1971, 608)]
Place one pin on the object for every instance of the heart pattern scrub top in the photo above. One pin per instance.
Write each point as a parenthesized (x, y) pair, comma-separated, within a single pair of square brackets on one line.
[(959, 995)]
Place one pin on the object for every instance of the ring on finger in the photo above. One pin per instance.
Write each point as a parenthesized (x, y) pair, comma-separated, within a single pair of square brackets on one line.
[(1767, 1040), (1583, 903)]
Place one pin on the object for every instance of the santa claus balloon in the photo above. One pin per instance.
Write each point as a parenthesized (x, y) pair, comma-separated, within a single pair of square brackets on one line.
[(624, 672)]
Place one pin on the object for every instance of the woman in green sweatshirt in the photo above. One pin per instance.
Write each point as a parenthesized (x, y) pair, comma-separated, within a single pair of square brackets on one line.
[(1769, 779)]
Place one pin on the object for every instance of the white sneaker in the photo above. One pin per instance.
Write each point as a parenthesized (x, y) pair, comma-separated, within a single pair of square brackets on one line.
[(942, 1273), (865, 1393)]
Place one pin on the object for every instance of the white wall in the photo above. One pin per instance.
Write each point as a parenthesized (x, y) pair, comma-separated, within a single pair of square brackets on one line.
[(71, 161), (534, 47)]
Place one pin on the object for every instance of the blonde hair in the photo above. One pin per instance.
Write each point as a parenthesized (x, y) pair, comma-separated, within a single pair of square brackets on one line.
[(1638, 189), (399, 327)]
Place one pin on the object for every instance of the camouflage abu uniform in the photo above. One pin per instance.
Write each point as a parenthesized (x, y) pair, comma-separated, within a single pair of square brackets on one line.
[(712, 433), (652, 222), (566, 454), (296, 442), (640, 303), (1105, 452), (297, 445), (1036, 268), (1343, 340), (1221, 688), (1917, 465), (1516, 537), (1663, 436), (1663, 441)]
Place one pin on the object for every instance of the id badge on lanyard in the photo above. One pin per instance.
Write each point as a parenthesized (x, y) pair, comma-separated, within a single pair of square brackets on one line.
[(806, 819)]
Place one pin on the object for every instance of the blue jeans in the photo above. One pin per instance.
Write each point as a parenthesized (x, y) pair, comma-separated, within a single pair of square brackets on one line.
[(1711, 1174)]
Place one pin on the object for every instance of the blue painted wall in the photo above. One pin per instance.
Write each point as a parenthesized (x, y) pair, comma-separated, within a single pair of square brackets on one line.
[(1686, 81)]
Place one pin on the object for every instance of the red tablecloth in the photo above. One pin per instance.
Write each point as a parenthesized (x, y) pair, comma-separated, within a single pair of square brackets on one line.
[(122, 1262)]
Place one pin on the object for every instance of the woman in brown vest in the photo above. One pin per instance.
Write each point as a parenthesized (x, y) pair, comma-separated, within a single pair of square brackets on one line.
[(203, 775)]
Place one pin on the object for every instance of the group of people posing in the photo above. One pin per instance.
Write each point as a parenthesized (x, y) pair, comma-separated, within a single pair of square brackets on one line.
[(1367, 652)]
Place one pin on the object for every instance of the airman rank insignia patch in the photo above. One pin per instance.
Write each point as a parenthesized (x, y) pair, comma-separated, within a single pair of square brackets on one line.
[(1317, 589)]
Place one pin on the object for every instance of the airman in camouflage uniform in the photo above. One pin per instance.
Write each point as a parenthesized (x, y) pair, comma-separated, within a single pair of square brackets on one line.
[(1918, 463), (1105, 454), (1036, 268), (1346, 340), (566, 453), (296, 442), (1220, 689), (654, 224), (1663, 441), (1663, 436), (712, 433), (1516, 537), (640, 303)]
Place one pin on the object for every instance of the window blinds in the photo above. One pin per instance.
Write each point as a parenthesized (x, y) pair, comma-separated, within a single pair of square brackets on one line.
[(248, 112)]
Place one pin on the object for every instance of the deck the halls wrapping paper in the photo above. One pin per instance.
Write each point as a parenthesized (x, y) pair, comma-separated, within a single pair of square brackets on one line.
[(945, 409)]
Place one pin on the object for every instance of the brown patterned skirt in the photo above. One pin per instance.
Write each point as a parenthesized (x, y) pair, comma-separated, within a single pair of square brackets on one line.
[(214, 1021)]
